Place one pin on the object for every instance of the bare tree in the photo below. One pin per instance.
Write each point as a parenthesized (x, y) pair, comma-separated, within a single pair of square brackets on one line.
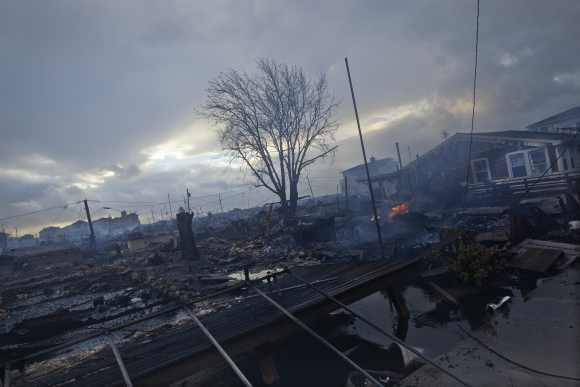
[(278, 122)]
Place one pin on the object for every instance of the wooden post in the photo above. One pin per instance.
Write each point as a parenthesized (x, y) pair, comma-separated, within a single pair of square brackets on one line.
[(267, 365), (188, 247), (92, 240)]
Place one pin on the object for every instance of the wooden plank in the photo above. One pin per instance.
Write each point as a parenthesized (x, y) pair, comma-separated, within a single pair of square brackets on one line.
[(536, 259), (177, 352)]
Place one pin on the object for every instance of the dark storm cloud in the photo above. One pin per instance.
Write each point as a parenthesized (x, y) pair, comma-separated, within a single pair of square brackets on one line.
[(89, 90)]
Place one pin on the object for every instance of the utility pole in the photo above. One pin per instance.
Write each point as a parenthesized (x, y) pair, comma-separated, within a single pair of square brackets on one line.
[(400, 167), (346, 192), (309, 185), (92, 239), (170, 208), (399, 156), (362, 145)]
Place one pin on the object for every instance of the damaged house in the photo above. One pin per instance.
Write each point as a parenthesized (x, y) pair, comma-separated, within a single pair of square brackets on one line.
[(541, 160)]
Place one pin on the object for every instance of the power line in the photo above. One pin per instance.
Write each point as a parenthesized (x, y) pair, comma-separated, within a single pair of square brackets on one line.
[(467, 168), (64, 207), (513, 362)]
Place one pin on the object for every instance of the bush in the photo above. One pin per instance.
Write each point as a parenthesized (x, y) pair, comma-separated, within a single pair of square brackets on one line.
[(474, 263)]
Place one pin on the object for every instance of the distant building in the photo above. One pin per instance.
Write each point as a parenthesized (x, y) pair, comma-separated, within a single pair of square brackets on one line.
[(27, 240), (51, 235), (356, 178), (540, 161), (3, 241), (136, 241), (76, 232), (108, 227)]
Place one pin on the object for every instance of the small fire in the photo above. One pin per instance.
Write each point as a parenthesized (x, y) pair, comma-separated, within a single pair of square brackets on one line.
[(399, 209)]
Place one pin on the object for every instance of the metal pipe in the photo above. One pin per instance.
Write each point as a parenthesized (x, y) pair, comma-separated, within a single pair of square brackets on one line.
[(377, 328), (6, 382), (120, 362), (220, 349), (317, 336), (362, 145)]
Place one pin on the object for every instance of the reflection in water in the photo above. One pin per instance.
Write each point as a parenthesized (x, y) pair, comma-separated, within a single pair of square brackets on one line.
[(395, 297)]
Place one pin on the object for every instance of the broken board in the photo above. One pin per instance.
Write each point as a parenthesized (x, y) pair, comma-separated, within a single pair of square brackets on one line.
[(536, 259), (568, 253)]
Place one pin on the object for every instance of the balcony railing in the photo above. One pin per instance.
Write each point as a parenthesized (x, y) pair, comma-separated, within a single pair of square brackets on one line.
[(552, 184)]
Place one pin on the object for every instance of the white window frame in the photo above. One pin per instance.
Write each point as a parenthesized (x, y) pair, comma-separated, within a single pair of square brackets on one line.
[(487, 166), (527, 162)]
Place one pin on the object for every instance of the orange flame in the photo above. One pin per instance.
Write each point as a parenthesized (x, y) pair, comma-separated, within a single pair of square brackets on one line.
[(399, 209)]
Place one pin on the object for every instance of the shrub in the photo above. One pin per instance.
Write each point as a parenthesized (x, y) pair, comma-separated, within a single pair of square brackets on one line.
[(474, 263)]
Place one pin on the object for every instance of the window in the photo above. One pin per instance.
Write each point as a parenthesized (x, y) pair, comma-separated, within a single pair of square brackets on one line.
[(517, 164), (530, 162), (538, 161), (480, 168)]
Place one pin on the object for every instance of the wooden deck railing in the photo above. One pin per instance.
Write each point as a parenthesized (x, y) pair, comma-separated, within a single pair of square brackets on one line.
[(552, 184)]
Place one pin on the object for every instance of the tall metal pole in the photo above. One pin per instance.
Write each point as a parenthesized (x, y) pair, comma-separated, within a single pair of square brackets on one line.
[(120, 362), (220, 349), (92, 240), (6, 381), (362, 145), (220, 200)]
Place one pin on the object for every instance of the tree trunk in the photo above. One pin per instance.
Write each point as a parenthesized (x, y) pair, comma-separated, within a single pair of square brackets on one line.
[(293, 205), (189, 250)]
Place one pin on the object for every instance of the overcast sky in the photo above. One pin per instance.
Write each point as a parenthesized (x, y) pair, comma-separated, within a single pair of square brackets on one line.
[(97, 97)]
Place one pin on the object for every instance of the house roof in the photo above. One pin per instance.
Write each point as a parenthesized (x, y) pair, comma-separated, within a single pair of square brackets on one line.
[(505, 135), (525, 135), (374, 165), (557, 118)]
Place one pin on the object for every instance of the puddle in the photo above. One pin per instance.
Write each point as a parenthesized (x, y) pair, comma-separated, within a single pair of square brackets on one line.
[(239, 275), (434, 338)]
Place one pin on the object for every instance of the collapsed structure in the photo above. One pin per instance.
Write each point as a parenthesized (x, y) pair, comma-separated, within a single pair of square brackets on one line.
[(161, 303)]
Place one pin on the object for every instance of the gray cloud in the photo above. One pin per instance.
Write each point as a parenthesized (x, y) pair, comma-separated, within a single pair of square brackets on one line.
[(90, 87)]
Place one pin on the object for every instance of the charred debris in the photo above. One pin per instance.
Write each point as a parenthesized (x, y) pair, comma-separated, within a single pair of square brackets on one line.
[(514, 224)]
